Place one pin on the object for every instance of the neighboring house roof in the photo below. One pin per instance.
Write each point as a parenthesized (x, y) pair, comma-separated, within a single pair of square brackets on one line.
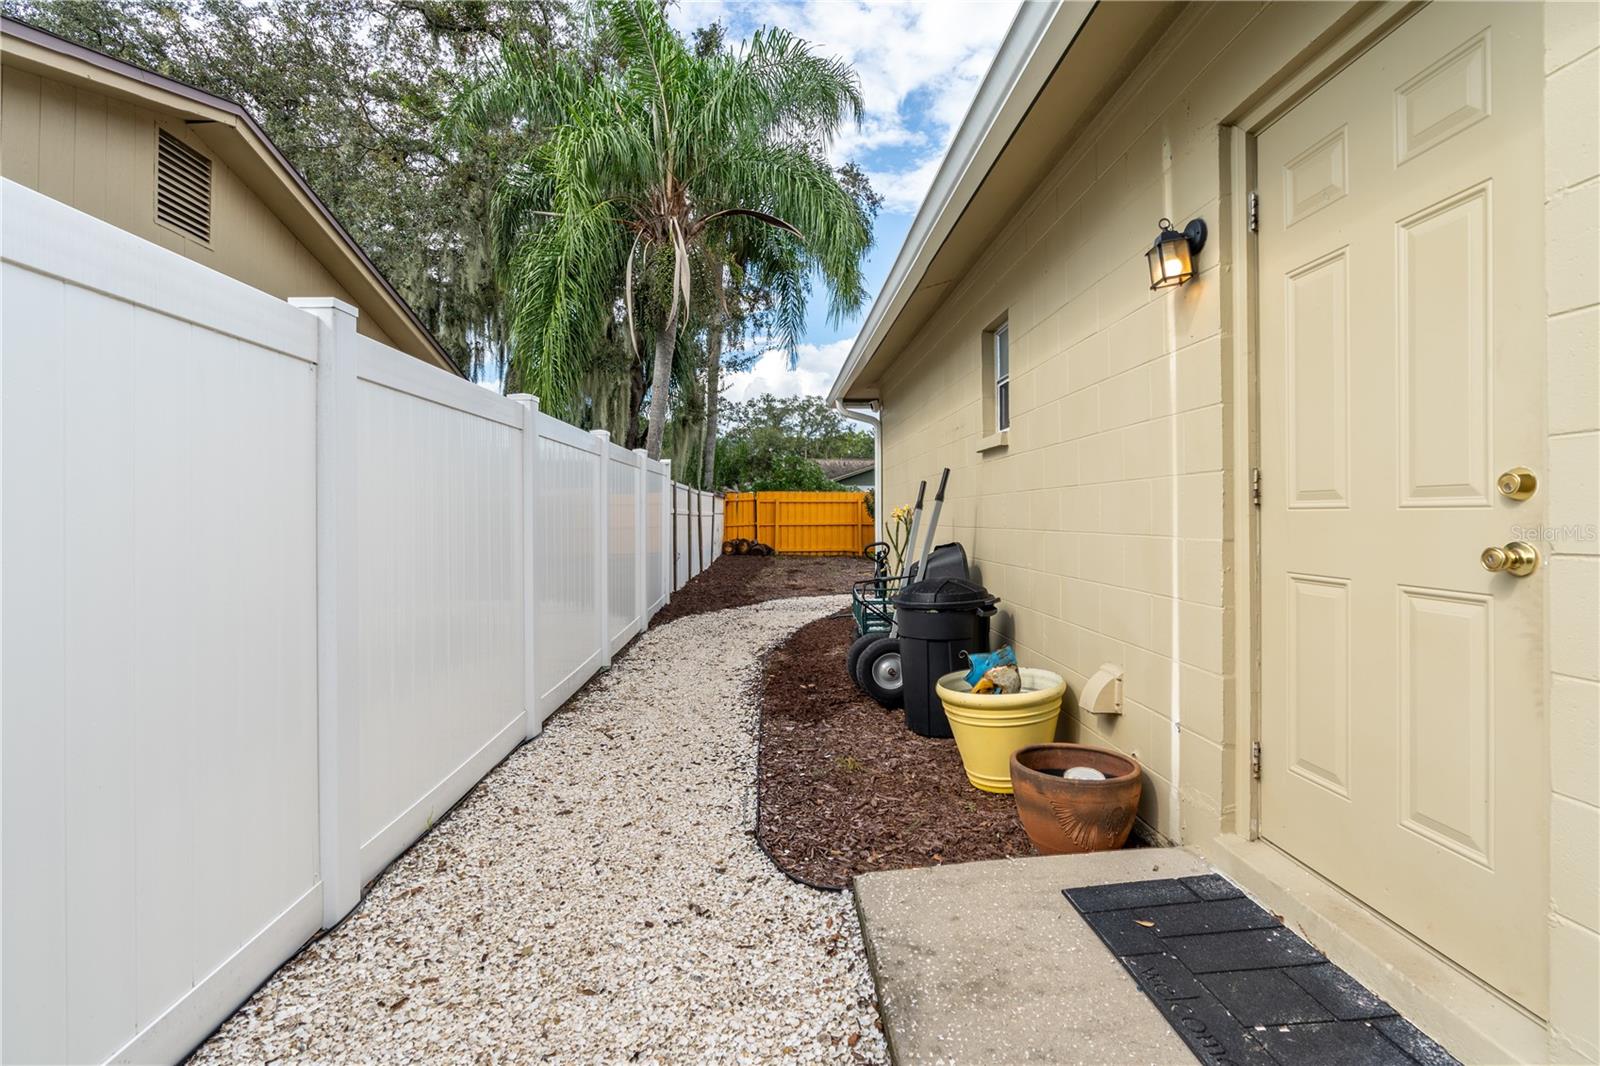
[(838, 469), (1056, 66), (241, 142)]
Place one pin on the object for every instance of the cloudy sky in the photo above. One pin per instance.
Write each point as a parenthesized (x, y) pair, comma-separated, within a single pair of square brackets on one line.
[(920, 64)]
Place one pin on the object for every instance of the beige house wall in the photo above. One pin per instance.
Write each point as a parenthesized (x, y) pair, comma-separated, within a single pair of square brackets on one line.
[(1572, 286), (1100, 521), (98, 154), (1105, 521)]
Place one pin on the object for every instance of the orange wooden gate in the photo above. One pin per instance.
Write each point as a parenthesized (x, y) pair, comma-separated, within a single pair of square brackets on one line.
[(801, 523)]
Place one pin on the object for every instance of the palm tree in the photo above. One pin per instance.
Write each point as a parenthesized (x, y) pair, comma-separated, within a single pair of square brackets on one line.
[(757, 287), (647, 157)]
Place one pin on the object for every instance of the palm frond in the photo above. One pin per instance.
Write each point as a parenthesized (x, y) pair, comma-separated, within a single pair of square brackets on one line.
[(801, 188), (650, 168), (559, 293)]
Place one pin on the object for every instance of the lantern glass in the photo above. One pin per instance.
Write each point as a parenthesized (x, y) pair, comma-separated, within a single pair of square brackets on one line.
[(1170, 260)]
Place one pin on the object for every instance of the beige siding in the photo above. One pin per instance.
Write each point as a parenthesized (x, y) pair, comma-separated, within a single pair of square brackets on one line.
[(98, 154), (1103, 522), (1100, 522), (1572, 200)]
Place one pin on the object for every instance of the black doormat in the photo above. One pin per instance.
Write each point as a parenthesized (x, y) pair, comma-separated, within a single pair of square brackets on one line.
[(1237, 986)]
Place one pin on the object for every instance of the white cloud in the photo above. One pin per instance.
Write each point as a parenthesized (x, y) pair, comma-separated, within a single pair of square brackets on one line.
[(904, 189), (919, 63), (818, 365)]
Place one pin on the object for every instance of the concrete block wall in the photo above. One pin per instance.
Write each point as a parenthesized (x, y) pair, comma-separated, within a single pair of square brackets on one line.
[(1101, 520), (1572, 285)]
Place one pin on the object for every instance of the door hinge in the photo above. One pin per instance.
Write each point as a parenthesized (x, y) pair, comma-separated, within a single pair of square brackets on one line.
[(1255, 486), (1255, 760), (1254, 205)]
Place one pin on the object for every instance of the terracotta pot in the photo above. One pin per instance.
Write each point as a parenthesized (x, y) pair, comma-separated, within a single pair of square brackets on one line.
[(1065, 817)]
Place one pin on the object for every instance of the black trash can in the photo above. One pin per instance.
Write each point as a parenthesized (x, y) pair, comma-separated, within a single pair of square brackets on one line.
[(938, 620), (946, 560)]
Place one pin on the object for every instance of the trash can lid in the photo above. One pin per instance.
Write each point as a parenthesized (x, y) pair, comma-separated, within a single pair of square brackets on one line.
[(945, 594)]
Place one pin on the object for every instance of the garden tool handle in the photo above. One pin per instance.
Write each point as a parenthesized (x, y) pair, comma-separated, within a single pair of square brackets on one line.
[(933, 525), (907, 559)]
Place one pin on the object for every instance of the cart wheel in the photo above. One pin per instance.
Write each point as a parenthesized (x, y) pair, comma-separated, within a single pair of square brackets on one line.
[(857, 646), (878, 672)]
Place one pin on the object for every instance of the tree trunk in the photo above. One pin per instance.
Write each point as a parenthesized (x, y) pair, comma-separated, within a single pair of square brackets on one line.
[(633, 436), (708, 454), (661, 385)]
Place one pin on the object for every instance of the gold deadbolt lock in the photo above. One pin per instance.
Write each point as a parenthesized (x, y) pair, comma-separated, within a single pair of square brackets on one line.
[(1518, 558), (1518, 483)]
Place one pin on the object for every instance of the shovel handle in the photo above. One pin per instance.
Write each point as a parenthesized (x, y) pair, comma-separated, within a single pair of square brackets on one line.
[(933, 524)]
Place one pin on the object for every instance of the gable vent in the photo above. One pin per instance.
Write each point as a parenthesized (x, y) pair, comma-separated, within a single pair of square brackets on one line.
[(183, 187)]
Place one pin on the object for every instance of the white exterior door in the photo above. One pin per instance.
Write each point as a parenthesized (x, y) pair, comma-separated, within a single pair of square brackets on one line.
[(1401, 373)]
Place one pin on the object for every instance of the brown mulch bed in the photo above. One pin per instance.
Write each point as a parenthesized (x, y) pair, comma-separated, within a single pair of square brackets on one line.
[(846, 788), (740, 580)]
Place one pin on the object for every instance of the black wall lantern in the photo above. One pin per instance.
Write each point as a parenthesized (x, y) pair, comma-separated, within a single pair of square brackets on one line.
[(1172, 257)]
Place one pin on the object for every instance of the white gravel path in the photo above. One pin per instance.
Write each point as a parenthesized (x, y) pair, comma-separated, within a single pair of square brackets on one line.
[(598, 898)]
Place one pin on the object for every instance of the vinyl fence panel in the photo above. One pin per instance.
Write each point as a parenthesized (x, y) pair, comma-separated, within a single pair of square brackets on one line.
[(697, 535), (682, 565), (439, 565), (623, 570), (275, 597), (697, 525), (567, 645), (158, 664), (707, 515), (656, 538)]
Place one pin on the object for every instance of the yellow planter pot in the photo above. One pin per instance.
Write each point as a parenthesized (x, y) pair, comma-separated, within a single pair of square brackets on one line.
[(989, 727)]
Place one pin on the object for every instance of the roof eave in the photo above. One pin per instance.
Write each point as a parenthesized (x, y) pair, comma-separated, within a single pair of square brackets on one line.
[(1039, 35), (49, 42)]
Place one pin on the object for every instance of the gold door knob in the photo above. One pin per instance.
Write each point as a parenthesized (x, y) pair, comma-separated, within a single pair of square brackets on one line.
[(1518, 483), (1518, 557)]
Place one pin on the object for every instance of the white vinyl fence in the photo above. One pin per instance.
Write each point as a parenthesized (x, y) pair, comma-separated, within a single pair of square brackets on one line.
[(696, 529), (275, 596)]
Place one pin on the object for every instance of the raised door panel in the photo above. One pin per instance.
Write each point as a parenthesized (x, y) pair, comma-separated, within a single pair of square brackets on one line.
[(1318, 693), (1442, 100), (1317, 371), (1443, 294), (1446, 777), (1317, 177)]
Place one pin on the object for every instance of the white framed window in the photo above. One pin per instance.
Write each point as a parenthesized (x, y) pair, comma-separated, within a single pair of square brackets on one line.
[(995, 381), (1002, 377)]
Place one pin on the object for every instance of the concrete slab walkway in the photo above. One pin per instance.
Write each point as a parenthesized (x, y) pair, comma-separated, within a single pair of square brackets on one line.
[(986, 964)]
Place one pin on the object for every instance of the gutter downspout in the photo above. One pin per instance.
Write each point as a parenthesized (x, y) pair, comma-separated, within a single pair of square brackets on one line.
[(876, 422)]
